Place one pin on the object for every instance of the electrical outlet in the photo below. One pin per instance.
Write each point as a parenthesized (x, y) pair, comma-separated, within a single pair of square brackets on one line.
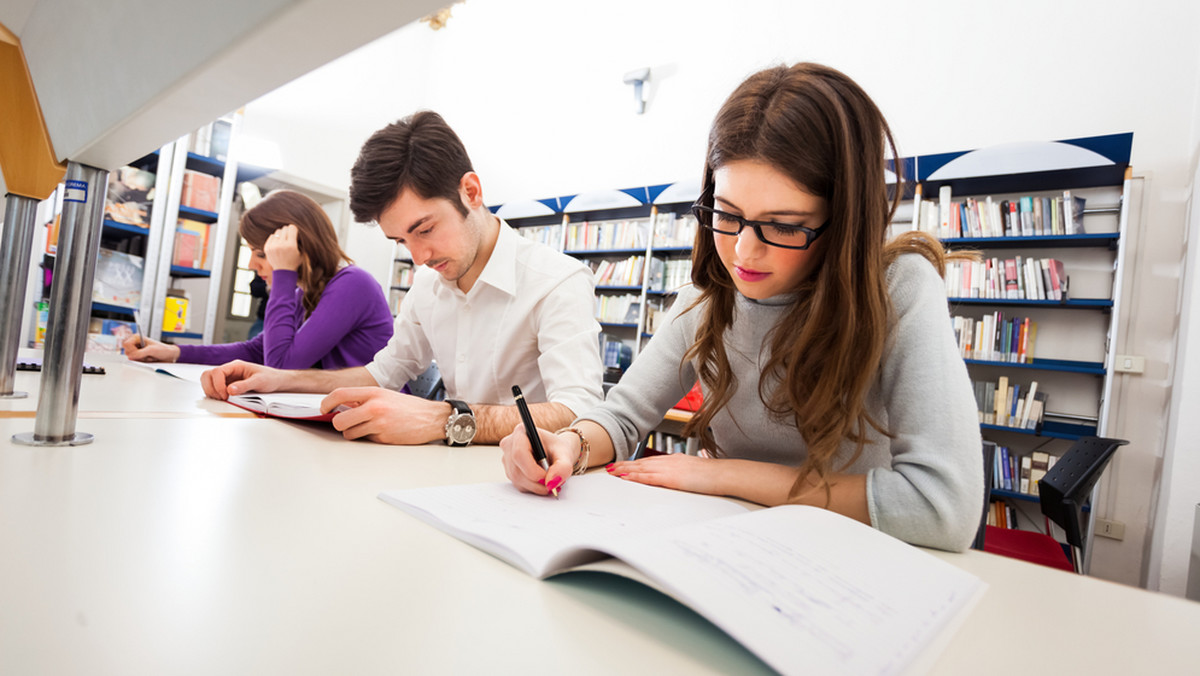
[(1110, 529), (1126, 363)]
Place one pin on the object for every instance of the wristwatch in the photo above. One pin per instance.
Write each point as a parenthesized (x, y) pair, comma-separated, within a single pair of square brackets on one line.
[(460, 428)]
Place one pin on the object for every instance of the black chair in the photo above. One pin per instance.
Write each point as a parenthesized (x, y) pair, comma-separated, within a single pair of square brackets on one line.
[(1064, 493), (989, 465), (429, 384)]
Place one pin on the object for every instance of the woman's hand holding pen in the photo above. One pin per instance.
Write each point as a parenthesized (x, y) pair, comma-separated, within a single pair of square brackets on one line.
[(282, 249), (139, 348), (562, 450)]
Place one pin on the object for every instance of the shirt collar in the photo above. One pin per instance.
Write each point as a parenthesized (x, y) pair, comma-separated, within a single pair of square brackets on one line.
[(500, 272)]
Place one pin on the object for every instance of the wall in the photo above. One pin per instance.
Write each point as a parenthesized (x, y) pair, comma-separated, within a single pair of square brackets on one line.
[(1175, 516), (534, 88)]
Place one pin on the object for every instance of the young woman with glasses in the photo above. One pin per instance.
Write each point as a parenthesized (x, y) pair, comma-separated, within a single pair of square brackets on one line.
[(829, 370)]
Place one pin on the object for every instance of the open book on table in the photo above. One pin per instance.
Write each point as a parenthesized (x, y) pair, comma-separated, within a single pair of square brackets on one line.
[(291, 405), (807, 590)]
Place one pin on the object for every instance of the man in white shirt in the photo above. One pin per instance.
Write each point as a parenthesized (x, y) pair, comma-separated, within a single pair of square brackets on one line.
[(500, 310)]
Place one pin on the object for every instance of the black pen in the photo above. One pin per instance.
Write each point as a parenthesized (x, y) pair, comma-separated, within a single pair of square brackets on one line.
[(535, 442)]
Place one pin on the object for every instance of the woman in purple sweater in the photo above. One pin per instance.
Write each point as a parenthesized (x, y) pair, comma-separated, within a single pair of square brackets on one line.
[(323, 312)]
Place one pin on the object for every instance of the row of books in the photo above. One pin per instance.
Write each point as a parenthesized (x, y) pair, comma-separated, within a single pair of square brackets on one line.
[(395, 298), (996, 338), (403, 274), (1000, 403), (1023, 217), (673, 230), (616, 353), (606, 235), (191, 244), (550, 235), (200, 190), (664, 442), (1002, 515), (627, 272), (670, 231), (1018, 278), (669, 274), (617, 309), (1020, 473), (212, 140)]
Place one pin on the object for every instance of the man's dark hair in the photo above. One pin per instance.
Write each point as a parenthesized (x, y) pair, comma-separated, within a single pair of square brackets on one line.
[(420, 152)]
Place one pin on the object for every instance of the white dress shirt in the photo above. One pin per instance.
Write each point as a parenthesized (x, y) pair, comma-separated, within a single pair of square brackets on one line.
[(527, 321)]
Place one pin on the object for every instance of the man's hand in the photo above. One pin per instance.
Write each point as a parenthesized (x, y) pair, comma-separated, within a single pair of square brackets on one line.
[(239, 377), (387, 417)]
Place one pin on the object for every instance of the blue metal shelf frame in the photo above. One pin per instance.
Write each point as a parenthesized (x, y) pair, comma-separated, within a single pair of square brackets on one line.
[(198, 214), (592, 253), (1097, 240), (126, 228), (1051, 429), (1073, 303), (1061, 365), (180, 271), (115, 309)]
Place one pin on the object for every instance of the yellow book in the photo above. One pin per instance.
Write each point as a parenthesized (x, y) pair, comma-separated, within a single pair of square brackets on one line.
[(1002, 401)]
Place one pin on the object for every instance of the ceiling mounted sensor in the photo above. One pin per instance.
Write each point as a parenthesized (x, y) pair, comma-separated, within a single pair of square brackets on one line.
[(637, 78)]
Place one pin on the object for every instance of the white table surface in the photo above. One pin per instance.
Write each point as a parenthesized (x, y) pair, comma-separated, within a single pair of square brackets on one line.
[(123, 389), (210, 545)]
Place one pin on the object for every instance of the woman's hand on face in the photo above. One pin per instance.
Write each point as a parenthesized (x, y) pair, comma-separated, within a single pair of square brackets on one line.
[(282, 248), (675, 470)]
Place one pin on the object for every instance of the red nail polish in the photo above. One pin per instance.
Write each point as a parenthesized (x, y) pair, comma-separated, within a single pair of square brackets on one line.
[(609, 466), (555, 483), (542, 481)]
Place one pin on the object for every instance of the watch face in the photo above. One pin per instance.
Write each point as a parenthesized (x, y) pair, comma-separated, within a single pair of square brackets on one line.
[(461, 429)]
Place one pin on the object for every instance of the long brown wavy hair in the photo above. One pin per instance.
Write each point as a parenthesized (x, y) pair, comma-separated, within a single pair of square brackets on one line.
[(815, 125), (320, 254)]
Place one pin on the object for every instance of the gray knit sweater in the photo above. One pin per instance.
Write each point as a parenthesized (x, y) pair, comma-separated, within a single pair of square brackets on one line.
[(924, 484)]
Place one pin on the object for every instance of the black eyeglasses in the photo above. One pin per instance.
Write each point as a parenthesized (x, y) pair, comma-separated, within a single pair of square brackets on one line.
[(776, 234)]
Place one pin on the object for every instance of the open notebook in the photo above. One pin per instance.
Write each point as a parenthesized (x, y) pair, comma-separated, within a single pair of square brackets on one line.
[(807, 590), (189, 372)]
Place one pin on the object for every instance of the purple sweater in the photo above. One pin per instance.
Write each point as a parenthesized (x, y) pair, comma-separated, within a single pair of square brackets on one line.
[(349, 325)]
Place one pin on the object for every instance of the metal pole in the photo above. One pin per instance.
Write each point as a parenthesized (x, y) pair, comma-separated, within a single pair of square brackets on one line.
[(71, 305), (15, 244)]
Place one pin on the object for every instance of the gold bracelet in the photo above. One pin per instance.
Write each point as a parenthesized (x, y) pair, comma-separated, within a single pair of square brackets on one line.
[(585, 450)]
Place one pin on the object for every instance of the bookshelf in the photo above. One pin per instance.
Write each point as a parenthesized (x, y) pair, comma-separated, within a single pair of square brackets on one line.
[(636, 241), (1073, 359), (165, 227), (402, 278), (195, 224)]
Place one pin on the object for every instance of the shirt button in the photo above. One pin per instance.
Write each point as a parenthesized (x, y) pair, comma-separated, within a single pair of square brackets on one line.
[(462, 358)]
